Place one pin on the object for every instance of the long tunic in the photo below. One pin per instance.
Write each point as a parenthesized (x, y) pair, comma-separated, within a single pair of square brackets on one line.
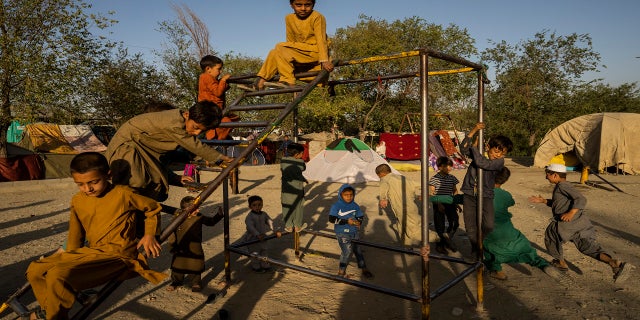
[(108, 224), (188, 255), (135, 150), (292, 196), (306, 42), (506, 244), (402, 192)]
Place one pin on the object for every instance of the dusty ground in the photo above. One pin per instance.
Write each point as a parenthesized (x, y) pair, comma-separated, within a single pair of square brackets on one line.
[(33, 220)]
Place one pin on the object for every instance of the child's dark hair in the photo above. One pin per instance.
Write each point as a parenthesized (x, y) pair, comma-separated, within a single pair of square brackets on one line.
[(295, 148), (253, 199), (186, 202), (312, 1), (156, 106), (209, 61), (501, 142), (349, 188), (443, 162), (562, 175), (502, 176), (383, 168), (88, 161), (205, 113)]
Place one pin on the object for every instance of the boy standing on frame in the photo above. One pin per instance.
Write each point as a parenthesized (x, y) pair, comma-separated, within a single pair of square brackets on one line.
[(498, 147), (212, 87)]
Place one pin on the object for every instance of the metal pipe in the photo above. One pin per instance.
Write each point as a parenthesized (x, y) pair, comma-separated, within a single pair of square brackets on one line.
[(424, 175)]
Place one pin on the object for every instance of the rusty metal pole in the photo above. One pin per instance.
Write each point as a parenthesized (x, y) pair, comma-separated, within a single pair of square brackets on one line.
[(480, 197), (225, 209), (424, 86)]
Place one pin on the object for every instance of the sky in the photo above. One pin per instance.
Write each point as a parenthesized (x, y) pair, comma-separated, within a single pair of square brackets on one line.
[(252, 27)]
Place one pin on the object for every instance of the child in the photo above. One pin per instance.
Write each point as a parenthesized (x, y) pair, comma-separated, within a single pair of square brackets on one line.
[(293, 188), (506, 244), (306, 43), (135, 151), (347, 217), (186, 246), (499, 146), (444, 184), (401, 193), (104, 215), (258, 224), (210, 88), (570, 223)]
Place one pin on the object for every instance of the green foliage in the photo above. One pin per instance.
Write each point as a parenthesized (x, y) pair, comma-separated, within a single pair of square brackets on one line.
[(534, 83), (371, 37), (124, 86), (48, 56)]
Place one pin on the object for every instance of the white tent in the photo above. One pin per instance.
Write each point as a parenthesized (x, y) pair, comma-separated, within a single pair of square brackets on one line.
[(346, 160)]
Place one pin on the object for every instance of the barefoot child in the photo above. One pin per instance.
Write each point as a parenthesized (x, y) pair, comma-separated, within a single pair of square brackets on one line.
[(306, 31)]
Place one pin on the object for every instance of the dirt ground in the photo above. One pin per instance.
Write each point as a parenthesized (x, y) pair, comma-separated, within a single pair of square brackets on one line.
[(33, 220)]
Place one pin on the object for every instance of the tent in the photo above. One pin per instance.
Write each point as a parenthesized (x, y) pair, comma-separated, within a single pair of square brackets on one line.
[(346, 160), (54, 144), (599, 140)]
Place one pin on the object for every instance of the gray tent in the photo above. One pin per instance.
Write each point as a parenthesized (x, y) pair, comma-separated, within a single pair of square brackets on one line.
[(599, 140)]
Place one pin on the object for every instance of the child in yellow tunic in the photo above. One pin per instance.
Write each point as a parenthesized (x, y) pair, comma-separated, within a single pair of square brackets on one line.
[(104, 215), (306, 43)]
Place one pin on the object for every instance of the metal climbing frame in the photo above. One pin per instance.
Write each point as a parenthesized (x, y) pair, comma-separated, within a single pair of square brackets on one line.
[(300, 93)]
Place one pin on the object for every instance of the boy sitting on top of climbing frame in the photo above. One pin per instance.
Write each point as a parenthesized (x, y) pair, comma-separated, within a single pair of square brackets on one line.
[(306, 43)]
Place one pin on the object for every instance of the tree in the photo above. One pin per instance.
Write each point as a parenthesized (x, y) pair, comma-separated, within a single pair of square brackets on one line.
[(371, 37), (123, 87), (47, 56), (535, 80)]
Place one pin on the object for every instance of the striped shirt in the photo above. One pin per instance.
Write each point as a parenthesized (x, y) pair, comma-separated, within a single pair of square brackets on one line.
[(445, 184)]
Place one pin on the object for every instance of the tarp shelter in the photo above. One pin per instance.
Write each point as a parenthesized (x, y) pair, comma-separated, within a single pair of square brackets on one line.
[(599, 140), (346, 160), (56, 146)]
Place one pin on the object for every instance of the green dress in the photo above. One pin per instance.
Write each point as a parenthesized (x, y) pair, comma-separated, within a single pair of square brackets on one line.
[(506, 244)]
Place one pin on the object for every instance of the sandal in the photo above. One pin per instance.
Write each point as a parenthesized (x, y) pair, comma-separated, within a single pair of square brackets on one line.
[(556, 263), (196, 288), (622, 272), (367, 274), (38, 314), (500, 275), (172, 287)]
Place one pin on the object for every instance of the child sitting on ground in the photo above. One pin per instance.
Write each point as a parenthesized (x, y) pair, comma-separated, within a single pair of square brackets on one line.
[(186, 246), (347, 217), (104, 215), (258, 223), (570, 223), (506, 244), (444, 184)]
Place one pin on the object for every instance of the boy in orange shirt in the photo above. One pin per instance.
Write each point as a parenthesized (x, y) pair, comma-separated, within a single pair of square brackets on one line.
[(212, 87)]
